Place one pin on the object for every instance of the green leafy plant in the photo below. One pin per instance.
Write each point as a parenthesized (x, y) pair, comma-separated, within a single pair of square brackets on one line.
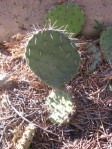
[(60, 106), (106, 43), (53, 57), (98, 26), (67, 15), (95, 56)]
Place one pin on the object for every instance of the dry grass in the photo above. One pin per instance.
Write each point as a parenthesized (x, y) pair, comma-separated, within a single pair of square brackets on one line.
[(22, 101)]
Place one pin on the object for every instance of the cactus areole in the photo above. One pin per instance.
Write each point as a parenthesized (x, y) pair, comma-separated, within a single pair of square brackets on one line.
[(53, 57)]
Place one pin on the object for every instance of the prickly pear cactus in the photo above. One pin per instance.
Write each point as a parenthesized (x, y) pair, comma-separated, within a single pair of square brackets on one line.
[(52, 57), (106, 43), (60, 106), (67, 15)]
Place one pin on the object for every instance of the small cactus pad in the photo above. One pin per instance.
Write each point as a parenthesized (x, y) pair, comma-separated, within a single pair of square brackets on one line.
[(67, 15), (52, 57), (60, 106), (106, 43)]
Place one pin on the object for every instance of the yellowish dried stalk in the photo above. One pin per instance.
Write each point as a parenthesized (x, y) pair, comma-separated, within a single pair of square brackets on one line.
[(26, 138)]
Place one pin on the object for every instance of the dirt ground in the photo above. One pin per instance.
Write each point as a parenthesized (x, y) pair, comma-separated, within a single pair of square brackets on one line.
[(24, 97), (26, 13)]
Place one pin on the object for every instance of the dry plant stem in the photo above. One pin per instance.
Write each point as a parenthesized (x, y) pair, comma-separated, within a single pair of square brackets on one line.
[(18, 113), (27, 137), (5, 129)]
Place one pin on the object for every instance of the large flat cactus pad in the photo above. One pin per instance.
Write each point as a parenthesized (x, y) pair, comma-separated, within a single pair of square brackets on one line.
[(52, 57)]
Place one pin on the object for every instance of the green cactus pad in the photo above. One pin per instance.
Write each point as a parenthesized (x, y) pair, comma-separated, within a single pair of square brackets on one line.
[(60, 106), (106, 43), (69, 15), (52, 57)]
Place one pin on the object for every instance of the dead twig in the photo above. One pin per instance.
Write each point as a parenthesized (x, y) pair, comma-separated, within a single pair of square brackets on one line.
[(25, 119)]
